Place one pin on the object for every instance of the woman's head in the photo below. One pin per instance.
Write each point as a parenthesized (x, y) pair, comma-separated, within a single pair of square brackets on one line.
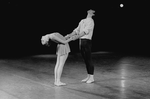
[(44, 40), (48, 43)]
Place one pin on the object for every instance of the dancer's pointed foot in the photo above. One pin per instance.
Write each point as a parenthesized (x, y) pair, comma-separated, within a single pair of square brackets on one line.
[(59, 84)]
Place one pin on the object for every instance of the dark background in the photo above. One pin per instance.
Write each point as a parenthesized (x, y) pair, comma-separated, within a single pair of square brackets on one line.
[(120, 30)]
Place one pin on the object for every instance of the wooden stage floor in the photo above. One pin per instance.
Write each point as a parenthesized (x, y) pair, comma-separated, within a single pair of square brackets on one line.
[(116, 77)]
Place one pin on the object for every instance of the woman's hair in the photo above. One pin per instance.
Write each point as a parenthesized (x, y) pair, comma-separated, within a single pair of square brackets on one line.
[(49, 42)]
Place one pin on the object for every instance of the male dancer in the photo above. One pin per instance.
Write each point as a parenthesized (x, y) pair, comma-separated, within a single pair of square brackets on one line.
[(84, 32)]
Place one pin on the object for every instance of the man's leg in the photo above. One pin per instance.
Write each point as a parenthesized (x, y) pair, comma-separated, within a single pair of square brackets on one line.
[(83, 55), (89, 65), (86, 53)]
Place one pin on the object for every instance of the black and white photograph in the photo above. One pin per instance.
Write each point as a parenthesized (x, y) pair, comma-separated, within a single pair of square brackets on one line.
[(74, 49)]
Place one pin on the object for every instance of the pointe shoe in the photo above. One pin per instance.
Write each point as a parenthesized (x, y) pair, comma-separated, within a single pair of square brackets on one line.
[(60, 84), (84, 80), (90, 81)]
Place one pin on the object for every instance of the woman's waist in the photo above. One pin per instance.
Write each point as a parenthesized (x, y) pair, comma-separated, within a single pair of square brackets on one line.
[(63, 45)]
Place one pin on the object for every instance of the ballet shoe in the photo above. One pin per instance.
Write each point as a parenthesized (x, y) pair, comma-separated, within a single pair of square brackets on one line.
[(60, 84), (90, 81)]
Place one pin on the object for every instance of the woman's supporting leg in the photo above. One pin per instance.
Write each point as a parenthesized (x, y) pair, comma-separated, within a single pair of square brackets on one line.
[(56, 68), (62, 61)]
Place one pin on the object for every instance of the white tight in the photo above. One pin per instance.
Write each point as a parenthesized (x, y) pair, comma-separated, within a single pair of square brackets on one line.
[(61, 59)]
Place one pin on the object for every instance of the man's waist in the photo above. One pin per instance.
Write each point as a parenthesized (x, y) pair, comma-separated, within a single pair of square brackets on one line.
[(85, 39), (89, 38)]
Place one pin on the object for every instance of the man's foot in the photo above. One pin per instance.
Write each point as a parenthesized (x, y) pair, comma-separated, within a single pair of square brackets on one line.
[(90, 80), (84, 80), (59, 84)]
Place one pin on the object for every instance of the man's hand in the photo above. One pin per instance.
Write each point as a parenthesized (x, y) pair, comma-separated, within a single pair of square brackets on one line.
[(74, 37), (67, 37), (70, 35)]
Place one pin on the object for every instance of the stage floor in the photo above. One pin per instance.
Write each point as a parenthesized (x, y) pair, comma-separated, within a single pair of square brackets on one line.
[(116, 77)]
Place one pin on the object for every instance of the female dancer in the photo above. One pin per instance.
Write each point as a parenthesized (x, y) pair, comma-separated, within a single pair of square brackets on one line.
[(62, 53)]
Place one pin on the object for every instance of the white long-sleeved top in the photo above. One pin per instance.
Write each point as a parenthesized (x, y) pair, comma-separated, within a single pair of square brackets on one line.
[(87, 26)]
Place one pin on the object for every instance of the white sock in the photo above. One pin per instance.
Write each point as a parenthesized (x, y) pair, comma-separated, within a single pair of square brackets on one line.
[(91, 77)]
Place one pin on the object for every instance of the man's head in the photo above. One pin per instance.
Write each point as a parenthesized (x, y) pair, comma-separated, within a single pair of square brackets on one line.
[(91, 13)]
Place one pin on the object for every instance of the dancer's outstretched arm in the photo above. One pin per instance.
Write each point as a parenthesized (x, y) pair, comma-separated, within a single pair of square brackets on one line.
[(74, 35), (78, 35), (57, 39), (70, 35)]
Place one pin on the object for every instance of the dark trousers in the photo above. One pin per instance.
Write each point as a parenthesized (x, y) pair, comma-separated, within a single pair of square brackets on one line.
[(85, 48)]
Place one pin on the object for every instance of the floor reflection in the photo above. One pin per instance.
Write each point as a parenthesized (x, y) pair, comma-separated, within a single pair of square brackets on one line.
[(124, 65)]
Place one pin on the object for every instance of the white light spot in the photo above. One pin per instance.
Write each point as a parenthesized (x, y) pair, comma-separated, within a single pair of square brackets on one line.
[(121, 5)]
